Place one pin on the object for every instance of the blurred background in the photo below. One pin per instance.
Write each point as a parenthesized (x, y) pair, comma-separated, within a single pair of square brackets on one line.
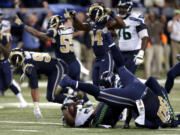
[(36, 13)]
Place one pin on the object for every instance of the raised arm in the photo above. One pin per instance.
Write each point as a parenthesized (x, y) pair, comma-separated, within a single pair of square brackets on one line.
[(34, 32), (42, 36), (78, 24)]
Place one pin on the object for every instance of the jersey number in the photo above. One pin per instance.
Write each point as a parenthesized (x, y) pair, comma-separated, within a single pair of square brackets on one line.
[(126, 34), (163, 111), (41, 57), (66, 44), (96, 37)]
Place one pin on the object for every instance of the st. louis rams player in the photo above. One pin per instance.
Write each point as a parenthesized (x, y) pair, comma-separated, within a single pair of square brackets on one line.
[(6, 80), (171, 75), (61, 38), (149, 101), (134, 37), (32, 64), (98, 28)]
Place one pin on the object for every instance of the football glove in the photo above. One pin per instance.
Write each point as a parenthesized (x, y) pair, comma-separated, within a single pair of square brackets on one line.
[(37, 112), (110, 12), (72, 14), (139, 57), (19, 22)]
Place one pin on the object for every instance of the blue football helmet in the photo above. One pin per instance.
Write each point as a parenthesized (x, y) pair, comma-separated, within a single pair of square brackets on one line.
[(124, 8), (96, 12), (16, 57), (56, 21), (107, 79)]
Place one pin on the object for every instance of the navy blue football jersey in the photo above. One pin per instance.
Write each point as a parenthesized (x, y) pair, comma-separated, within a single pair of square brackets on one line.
[(42, 62), (4, 40), (62, 43), (100, 38)]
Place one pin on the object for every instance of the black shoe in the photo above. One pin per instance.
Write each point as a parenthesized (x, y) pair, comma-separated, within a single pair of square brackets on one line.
[(126, 126)]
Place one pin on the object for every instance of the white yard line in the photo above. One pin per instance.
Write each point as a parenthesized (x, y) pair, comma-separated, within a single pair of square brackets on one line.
[(24, 130), (42, 105), (30, 122)]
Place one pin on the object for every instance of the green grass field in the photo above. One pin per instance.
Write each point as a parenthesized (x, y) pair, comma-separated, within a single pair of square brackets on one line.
[(21, 121)]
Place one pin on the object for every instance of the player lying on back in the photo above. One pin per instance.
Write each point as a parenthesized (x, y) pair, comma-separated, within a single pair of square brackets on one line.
[(149, 101), (32, 64), (60, 36), (6, 80), (98, 26)]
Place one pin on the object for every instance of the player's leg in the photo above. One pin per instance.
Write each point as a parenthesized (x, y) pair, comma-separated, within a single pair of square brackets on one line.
[(12, 84), (74, 73), (160, 91), (95, 73), (129, 62), (171, 75), (126, 76), (15, 88), (106, 64), (53, 81), (114, 97)]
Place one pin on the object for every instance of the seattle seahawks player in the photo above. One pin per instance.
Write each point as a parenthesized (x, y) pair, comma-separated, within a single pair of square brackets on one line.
[(149, 101), (134, 37), (98, 28), (61, 38), (6, 80), (32, 64)]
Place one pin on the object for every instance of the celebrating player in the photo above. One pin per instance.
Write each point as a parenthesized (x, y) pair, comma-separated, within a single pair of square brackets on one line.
[(32, 64), (98, 27), (6, 80), (61, 39)]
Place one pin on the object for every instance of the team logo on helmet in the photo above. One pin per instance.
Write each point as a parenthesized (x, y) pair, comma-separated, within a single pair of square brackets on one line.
[(96, 13), (56, 21), (16, 57)]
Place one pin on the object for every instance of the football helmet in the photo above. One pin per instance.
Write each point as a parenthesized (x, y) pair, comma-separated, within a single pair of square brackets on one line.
[(56, 21), (107, 79), (124, 8), (96, 12), (16, 57)]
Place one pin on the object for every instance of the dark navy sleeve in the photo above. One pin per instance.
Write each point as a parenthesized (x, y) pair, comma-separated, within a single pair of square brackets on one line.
[(6, 39), (31, 73), (51, 32), (141, 27)]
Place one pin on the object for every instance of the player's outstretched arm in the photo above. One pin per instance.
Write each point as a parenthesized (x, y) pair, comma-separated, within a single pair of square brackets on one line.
[(78, 24), (42, 36), (34, 32)]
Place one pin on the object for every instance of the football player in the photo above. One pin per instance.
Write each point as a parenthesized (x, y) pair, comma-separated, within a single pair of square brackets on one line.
[(32, 64), (61, 38), (149, 101), (98, 28), (6, 80), (171, 75), (133, 38)]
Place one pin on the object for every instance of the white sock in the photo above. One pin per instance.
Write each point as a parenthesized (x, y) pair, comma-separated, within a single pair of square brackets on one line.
[(20, 97)]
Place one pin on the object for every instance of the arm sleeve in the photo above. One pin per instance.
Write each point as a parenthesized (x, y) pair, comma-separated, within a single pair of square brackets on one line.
[(31, 73), (51, 32)]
